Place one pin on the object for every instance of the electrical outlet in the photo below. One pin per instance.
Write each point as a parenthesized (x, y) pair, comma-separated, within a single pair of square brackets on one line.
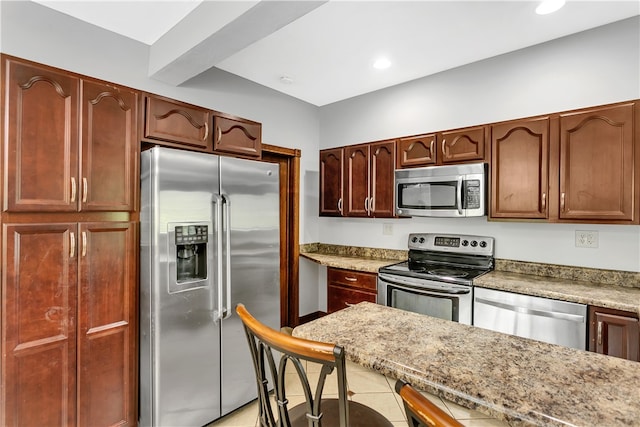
[(586, 239), (387, 229)]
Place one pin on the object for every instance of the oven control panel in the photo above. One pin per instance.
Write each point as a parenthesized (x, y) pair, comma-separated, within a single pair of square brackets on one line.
[(460, 243)]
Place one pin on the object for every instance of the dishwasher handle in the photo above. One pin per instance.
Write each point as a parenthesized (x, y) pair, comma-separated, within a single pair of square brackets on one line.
[(524, 310)]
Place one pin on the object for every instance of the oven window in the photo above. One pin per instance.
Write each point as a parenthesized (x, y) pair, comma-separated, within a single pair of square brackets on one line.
[(434, 195), (431, 305)]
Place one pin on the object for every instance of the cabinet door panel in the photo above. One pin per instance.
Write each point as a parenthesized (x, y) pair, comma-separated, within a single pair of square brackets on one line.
[(238, 137), (109, 147), (173, 121), (615, 334), (356, 175), (41, 160), (596, 164), (39, 325), (417, 151), (519, 169), (383, 160), (106, 326), (339, 297), (331, 170), (462, 145)]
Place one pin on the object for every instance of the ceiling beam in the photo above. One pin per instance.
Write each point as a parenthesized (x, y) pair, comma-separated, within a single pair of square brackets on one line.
[(214, 31)]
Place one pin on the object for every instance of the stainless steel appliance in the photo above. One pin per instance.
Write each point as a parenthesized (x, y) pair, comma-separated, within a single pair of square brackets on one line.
[(442, 191), (209, 239), (542, 319), (437, 279)]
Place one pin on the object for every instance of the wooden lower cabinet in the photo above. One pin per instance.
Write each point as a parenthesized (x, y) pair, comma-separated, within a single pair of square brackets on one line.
[(68, 327), (347, 287), (614, 333)]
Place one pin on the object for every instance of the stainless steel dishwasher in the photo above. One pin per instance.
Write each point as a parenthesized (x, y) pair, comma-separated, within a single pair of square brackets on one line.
[(542, 319)]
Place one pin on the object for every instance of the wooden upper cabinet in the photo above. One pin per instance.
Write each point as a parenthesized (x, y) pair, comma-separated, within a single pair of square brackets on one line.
[(356, 175), (39, 325), (416, 151), (614, 333), (41, 157), (331, 170), (176, 122), (519, 169), (597, 164), (107, 331), (449, 147), (109, 148), (367, 181), (45, 172), (237, 136), (462, 145), (382, 179)]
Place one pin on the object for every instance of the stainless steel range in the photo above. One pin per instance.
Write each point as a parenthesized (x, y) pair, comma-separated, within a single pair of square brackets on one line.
[(437, 279)]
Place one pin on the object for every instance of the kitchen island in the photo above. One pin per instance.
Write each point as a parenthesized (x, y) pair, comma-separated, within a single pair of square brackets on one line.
[(521, 381)]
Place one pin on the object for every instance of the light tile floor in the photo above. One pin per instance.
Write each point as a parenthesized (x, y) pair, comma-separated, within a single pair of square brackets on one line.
[(369, 388)]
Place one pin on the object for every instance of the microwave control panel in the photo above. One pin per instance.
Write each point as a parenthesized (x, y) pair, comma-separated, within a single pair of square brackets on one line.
[(472, 193)]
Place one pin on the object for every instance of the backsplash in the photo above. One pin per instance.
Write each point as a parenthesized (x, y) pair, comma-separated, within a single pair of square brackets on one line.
[(594, 275), (355, 251)]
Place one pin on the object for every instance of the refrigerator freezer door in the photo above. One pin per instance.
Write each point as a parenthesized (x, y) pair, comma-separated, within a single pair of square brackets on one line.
[(251, 190), (179, 339)]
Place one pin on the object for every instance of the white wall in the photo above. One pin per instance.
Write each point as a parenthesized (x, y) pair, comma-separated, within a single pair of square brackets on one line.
[(590, 68)]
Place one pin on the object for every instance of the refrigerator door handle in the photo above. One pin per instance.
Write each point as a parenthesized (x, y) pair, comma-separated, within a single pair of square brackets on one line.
[(218, 202), (226, 204)]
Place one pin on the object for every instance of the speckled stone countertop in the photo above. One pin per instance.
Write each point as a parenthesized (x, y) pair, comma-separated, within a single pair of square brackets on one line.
[(605, 288), (521, 381), (352, 257)]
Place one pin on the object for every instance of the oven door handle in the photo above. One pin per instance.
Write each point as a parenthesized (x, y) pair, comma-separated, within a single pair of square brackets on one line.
[(430, 289), (459, 196)]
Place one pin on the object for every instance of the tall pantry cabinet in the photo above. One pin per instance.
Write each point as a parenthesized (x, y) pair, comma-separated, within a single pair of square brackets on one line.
[(69, 249)]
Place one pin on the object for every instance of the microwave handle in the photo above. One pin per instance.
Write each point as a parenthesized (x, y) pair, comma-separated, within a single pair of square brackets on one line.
[(459, 195)]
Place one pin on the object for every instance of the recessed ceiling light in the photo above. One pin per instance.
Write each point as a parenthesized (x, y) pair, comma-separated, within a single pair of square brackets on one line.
[(382, 63), (549, 6)]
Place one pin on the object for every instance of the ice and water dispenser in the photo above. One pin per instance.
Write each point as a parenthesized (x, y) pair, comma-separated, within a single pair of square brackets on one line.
[(189, 250)]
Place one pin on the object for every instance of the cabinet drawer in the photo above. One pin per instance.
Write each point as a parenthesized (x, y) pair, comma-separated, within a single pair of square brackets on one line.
[(352, 278), (339, 297)]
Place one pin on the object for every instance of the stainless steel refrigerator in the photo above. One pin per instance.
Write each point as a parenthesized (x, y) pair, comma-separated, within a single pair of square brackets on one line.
[(209, 240)]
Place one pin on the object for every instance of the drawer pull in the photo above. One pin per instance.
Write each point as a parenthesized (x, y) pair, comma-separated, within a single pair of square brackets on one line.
[(599, 333), (351, 279)]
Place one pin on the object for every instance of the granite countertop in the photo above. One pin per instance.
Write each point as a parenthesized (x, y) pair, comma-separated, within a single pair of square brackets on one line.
[(614, 289), (521, 381), (352, 257)]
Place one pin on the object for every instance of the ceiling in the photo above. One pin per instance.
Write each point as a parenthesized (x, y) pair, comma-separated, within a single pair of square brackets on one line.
[(323, 51)]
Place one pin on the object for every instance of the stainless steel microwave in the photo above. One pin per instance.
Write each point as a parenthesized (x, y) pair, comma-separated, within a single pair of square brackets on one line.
[(442, 191)]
